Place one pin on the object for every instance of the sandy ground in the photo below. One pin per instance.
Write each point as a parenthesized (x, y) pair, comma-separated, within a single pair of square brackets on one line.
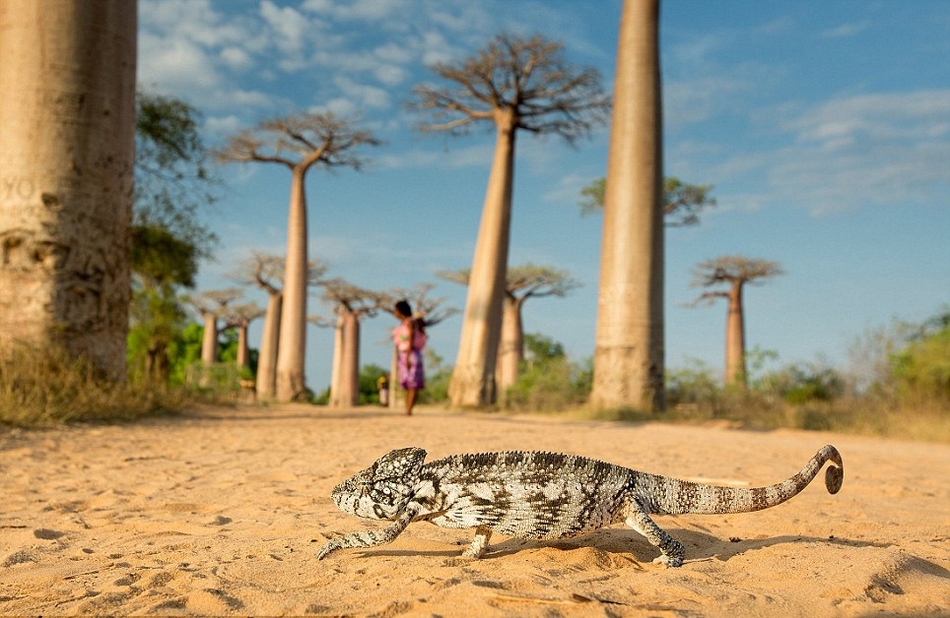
[(222, 511)]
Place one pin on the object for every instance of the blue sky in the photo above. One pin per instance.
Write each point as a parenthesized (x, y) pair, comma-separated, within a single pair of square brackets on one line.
[(823, 126)]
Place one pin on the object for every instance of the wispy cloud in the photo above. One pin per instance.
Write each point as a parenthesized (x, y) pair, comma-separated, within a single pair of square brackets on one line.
[(883, 148), (845, 30)]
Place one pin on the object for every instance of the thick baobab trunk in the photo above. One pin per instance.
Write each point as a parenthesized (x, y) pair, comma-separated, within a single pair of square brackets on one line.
[(345, 393), (242, 351), (735, 339), (209, 339), (396, 395), (267, 358), (511, 348), (628, 357), (473, 378), (291, 349), (337, 366), (67, 127)]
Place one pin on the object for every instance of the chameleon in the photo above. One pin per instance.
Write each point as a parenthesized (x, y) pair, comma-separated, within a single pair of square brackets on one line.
[(543, 496)]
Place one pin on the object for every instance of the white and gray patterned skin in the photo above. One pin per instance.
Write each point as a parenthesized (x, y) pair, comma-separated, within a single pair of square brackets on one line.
[(543, 496)]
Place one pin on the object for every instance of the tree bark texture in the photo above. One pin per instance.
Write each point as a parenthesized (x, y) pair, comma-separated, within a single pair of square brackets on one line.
[(267, 357), (345, 392), (473, 378), (336, 368), (629, 350), (511, 348), (735, 339), (67, 126), (292, 345), (243, 352), (209, 339)]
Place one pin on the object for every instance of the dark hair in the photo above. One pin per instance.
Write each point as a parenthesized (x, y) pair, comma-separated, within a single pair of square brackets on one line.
[(404, 308)]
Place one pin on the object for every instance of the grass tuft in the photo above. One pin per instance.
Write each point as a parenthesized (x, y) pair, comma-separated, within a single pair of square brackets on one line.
[(42, 389)]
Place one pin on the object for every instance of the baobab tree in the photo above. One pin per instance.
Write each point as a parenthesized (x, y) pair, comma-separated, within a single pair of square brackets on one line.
[(66, 173), (267, 272), (239, 317), (517, 84), (521, 283), (298, 142), (211, 305), (351, 305), (733, 272), (682, 201), (629, 347)]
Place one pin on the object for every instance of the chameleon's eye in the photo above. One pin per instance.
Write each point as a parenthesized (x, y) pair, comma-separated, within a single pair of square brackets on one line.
[(387, 491)]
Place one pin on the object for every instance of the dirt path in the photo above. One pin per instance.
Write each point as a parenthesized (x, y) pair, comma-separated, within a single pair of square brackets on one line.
[(222, 512)]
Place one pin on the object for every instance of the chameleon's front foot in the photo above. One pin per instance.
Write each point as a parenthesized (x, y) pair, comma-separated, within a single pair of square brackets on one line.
[(331, 546)]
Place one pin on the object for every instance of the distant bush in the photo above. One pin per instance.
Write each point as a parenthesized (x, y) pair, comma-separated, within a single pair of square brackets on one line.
[(548, 380)]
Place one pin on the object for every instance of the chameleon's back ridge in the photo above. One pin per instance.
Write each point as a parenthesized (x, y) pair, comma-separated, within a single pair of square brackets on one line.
[(543, 496)]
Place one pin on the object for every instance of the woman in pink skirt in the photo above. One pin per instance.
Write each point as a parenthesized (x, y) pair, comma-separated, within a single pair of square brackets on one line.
[(410, 338)]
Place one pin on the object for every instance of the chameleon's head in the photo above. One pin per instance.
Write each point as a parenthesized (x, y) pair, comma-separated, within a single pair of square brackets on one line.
[(382, 490)]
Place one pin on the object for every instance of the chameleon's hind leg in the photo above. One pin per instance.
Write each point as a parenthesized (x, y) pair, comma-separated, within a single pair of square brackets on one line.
[(479, 543), (672, 551)]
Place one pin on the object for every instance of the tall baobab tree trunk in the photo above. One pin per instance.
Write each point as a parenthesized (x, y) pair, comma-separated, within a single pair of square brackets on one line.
[(337, 367), (243, 352), (473, 378), (209, 339), (735, 339), (292, 345), (628, 357), (511, 348), (67, 125), (345, 392), (267, 358)]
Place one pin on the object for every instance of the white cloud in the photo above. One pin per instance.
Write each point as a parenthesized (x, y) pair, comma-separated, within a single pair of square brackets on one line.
[(176, 64), (369, 10), (479, 155), (236, 58), (223, 125), (288, 24), (882, 148), (364, 95), (918, 115), (845, 30)]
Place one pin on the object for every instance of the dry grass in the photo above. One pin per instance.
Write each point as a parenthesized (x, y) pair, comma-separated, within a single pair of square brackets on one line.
[(924, 420), (40, 389)]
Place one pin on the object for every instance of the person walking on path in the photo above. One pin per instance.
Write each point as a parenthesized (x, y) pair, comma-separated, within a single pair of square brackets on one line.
[(410, 338)]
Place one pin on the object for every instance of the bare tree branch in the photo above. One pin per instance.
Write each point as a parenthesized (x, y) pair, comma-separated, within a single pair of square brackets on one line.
[(300, 140), (529, 77)]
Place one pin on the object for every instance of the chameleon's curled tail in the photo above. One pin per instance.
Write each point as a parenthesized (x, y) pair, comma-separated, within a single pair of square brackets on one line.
[(688, 497)]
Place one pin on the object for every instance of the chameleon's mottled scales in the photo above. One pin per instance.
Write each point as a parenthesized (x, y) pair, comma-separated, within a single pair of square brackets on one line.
[(542, 496)]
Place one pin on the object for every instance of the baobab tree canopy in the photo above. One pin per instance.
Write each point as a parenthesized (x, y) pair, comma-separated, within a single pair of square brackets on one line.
[(731, 270), (300, 140), (529, 77)]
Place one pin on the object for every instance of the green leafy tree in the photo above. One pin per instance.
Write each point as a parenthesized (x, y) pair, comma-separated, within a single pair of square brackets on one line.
[(922, 366), (682, 202), (168, 240), (548, 380)]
